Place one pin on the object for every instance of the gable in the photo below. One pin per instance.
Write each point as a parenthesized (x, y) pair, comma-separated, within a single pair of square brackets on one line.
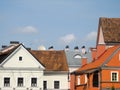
[(100, 37), (21, 58), (115, 60)]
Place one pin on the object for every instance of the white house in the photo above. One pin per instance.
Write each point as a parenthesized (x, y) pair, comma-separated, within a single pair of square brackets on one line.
[(56, 69), (19, 69), (23, 69)]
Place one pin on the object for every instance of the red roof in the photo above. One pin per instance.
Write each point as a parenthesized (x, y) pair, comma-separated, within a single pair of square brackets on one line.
[(52, 60), (99, 62)]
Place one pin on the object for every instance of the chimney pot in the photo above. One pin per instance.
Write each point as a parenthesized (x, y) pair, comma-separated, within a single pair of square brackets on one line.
[(76, 48), (67, 48), (51, 48)]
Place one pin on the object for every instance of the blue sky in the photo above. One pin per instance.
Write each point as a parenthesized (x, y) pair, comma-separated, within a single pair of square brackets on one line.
[(54, 22)]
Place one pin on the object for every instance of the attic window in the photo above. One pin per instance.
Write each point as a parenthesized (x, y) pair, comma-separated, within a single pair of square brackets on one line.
[(20, 58), (77, 56)]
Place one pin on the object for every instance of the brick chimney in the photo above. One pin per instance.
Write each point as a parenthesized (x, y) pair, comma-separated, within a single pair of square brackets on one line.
[(84, 61)]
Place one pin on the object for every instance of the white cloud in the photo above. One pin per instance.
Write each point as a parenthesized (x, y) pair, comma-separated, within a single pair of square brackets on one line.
[(91, 36), (68, 38), (27, 29)]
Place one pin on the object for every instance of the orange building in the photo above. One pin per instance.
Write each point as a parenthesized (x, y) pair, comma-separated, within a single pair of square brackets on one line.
[(103, 73)]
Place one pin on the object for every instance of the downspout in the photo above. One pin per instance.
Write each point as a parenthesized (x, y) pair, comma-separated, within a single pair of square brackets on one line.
[(100, 79)]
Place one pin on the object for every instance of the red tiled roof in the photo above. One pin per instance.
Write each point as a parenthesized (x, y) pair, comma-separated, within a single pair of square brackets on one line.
[(52, 60), (111, 29), (99, 62)]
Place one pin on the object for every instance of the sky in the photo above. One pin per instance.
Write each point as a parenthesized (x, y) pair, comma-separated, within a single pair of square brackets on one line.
[(54, 23)]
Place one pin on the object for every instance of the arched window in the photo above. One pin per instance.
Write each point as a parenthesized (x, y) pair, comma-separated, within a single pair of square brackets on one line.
[(95, 79), (77, 56)]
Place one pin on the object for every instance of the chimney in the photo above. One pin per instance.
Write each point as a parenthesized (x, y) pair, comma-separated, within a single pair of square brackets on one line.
[(14, 42), (4, 46), (76, 49), (67, 48), (84, 61), (51, 48), (83, 50)]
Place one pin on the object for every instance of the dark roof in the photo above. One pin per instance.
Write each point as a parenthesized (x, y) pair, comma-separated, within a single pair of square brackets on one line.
[(111, 29), (4, 53), (52, 60)]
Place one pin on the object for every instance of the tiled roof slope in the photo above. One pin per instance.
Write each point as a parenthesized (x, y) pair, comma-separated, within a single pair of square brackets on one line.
[(52, 60), (99, 62), (111, 29)]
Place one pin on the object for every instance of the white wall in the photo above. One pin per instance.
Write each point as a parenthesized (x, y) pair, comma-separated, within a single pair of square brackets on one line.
[(62, 78), (27, 60), (27, 75)]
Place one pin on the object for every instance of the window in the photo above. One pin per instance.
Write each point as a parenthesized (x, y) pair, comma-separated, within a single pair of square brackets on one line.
[(78, 81), (44, 85), (20, 82), (20, 58), (77, 56), (114, 76), (6, 82), (56, 84), (95, 79), (33, 82)]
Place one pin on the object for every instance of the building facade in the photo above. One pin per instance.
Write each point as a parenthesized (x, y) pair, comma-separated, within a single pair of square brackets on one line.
[(104, 70)]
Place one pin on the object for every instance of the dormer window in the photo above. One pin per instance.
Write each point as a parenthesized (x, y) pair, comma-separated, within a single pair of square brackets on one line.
[(20, 58), (77, 56)]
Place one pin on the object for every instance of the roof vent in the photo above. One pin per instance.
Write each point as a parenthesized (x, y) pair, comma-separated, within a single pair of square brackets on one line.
[(76, 48), (51, 48), (67, 48)]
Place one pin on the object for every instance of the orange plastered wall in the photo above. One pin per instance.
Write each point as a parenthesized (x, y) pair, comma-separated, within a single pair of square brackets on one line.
[(106, 79), (115, 60), (72, 82)]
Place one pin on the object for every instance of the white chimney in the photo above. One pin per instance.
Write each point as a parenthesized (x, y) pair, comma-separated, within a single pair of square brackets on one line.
[(83, 50), (67, 48), (76, 49)]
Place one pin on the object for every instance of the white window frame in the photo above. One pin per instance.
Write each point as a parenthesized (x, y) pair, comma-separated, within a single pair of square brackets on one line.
[(117, 76), (85, 78), (78, 80)]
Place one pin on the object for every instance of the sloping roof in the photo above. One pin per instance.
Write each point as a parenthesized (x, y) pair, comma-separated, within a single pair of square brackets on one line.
[(111, 29), (4, 53), (76, 62), (100, 61), (52, 60)]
